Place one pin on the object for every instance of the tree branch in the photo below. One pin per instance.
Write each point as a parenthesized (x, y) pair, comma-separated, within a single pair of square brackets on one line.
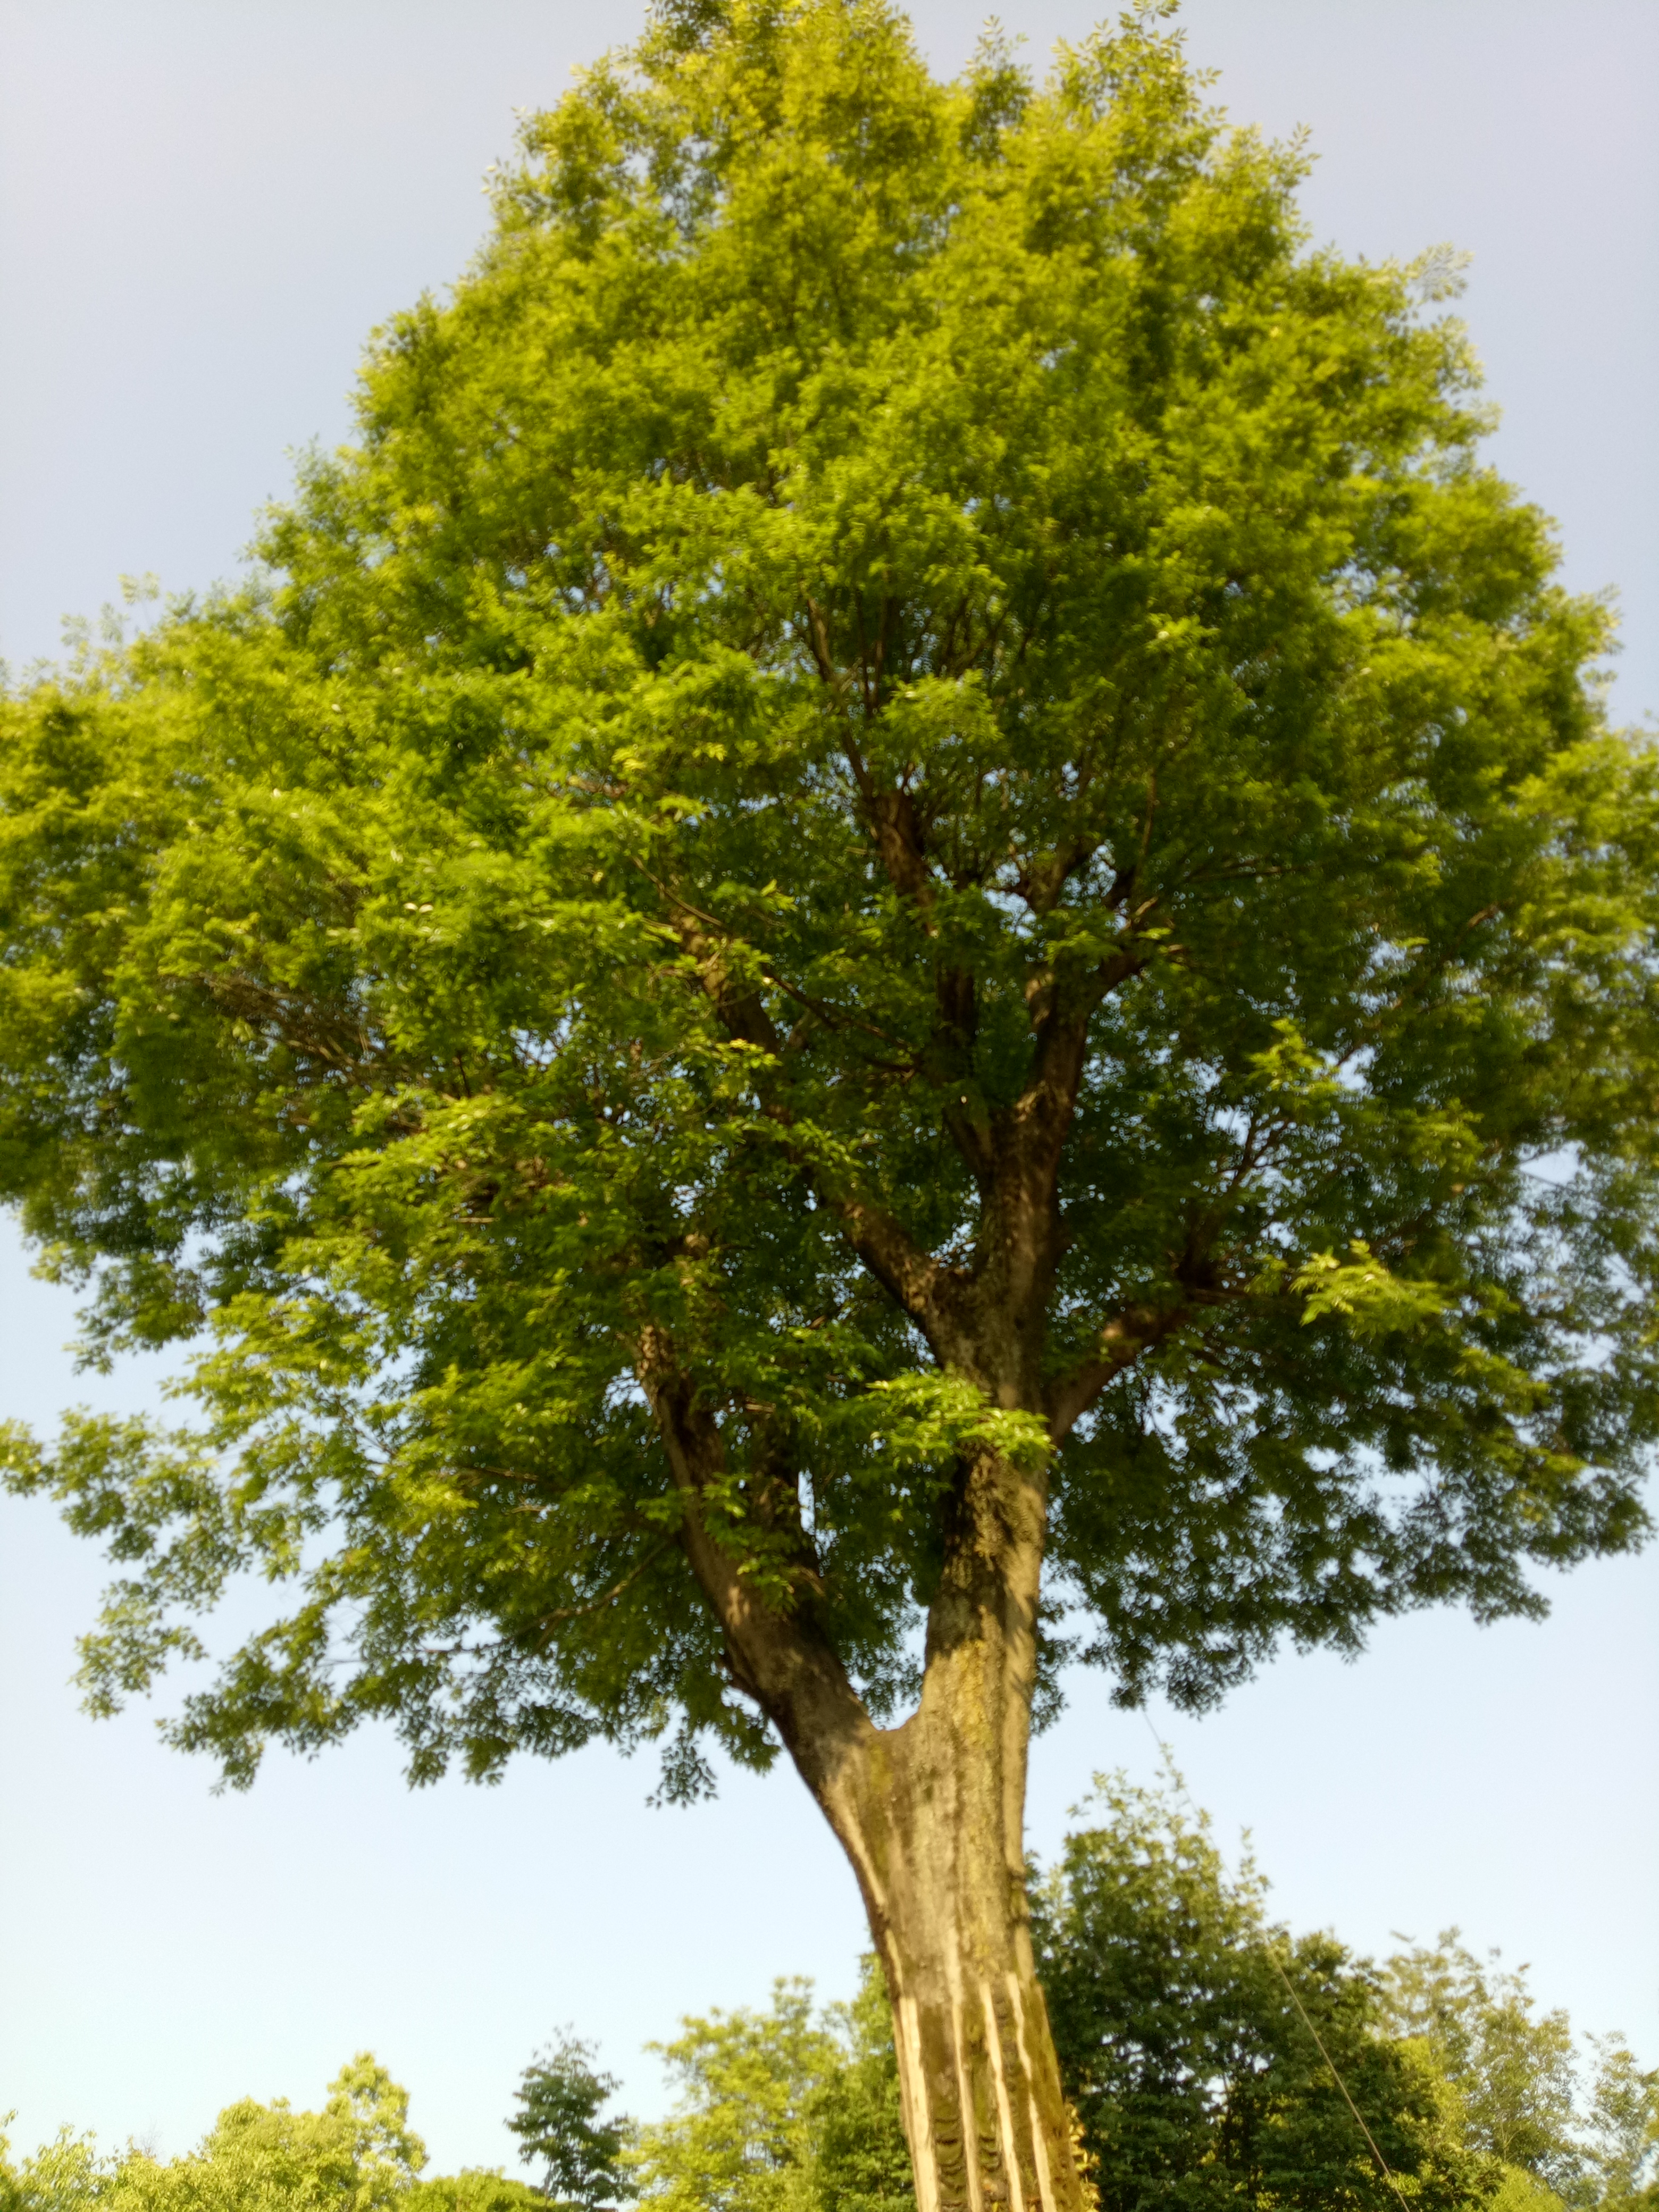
[(1123, 1341), (783, 1661), (545, 1623), (1021, 1249)]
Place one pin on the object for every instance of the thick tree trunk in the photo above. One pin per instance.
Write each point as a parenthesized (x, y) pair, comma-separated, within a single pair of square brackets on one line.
[(932, 1815), (983, 2108)]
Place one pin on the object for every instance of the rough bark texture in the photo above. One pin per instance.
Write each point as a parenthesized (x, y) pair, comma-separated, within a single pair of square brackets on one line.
[(930, 1815), (932, 1819)]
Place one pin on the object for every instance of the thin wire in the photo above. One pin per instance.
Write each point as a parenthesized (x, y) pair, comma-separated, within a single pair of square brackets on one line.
[(1388, 2174)]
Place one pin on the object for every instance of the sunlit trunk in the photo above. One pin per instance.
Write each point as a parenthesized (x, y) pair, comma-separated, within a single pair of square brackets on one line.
[(932, 1816)]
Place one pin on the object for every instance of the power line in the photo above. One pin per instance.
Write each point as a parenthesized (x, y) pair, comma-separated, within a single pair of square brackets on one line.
[(1386, 2170)]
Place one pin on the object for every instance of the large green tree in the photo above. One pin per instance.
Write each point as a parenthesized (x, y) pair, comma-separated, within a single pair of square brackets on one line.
[(904, 915), (1214, 2060)]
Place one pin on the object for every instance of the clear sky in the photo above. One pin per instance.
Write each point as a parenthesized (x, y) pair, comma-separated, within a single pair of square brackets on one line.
[(204, 205)]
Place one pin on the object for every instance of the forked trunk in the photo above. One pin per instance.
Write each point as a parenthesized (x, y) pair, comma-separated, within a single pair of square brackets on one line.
[(932, 1816)]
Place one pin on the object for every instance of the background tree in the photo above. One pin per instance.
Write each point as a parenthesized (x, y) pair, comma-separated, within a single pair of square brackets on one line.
[(784, 2108), (65, 2175), (357, 2154), (1181, 2016), (1514, 2069), (861, 2160), (559, 2098), (743, 2137), (1622, 2132), (474, 2189), (1520, 2083), (906, 911)]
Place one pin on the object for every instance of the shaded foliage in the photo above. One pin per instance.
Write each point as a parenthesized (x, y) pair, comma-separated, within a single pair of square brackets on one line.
[(560, 2100)]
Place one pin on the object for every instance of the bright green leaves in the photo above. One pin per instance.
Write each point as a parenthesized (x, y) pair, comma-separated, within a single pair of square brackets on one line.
[(357, 2154), (752, 2089), (862, 574), (1371, 1301)]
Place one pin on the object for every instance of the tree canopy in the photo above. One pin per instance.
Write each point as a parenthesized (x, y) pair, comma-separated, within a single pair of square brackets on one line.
[(894, 646), (562, 2128)]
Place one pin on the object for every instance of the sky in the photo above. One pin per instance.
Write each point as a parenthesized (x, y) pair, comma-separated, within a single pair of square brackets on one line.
[(205, 207)]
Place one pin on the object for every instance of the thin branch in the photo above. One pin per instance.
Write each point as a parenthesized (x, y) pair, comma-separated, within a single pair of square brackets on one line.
[(827, 1015), (1122, 1342), (545, 1626)]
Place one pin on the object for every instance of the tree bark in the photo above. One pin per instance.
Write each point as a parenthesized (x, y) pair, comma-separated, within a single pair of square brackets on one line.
[(931, 1815), (944, 1888)]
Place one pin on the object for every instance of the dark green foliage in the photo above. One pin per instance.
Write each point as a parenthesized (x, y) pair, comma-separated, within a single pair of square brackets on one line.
[(560, 2098), (1197, 2082)]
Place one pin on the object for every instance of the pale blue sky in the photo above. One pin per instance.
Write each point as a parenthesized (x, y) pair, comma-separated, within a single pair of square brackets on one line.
[(204, 205)]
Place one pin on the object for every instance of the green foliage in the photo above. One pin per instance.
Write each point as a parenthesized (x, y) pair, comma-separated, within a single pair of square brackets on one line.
[(1182, 2020), (1185, 2021), (559, 2098), (1519, 2084), (475, 2189), (861, 2160), (65, 2175), (742, 2138), (1514, 2070), (357, 2154), (1621, 2137), (862, 572), (782, 2109)]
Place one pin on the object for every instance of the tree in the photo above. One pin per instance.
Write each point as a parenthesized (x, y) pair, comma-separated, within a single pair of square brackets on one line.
[(65, 2175), (1622, 2136), (474, 2189), (1515, 2073), (743, 2137), (1518, 2080), (357, 2154), (1197, 2038), (782, 2111), (559, 2098), (861, 2158), (905, 913)]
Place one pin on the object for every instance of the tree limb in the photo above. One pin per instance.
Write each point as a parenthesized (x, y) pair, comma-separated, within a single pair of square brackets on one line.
[(1123, 1341), (783, 1661)]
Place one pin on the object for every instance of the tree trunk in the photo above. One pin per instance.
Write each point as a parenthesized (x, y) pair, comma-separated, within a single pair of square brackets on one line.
[(983, 2109), (932, 1815)]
